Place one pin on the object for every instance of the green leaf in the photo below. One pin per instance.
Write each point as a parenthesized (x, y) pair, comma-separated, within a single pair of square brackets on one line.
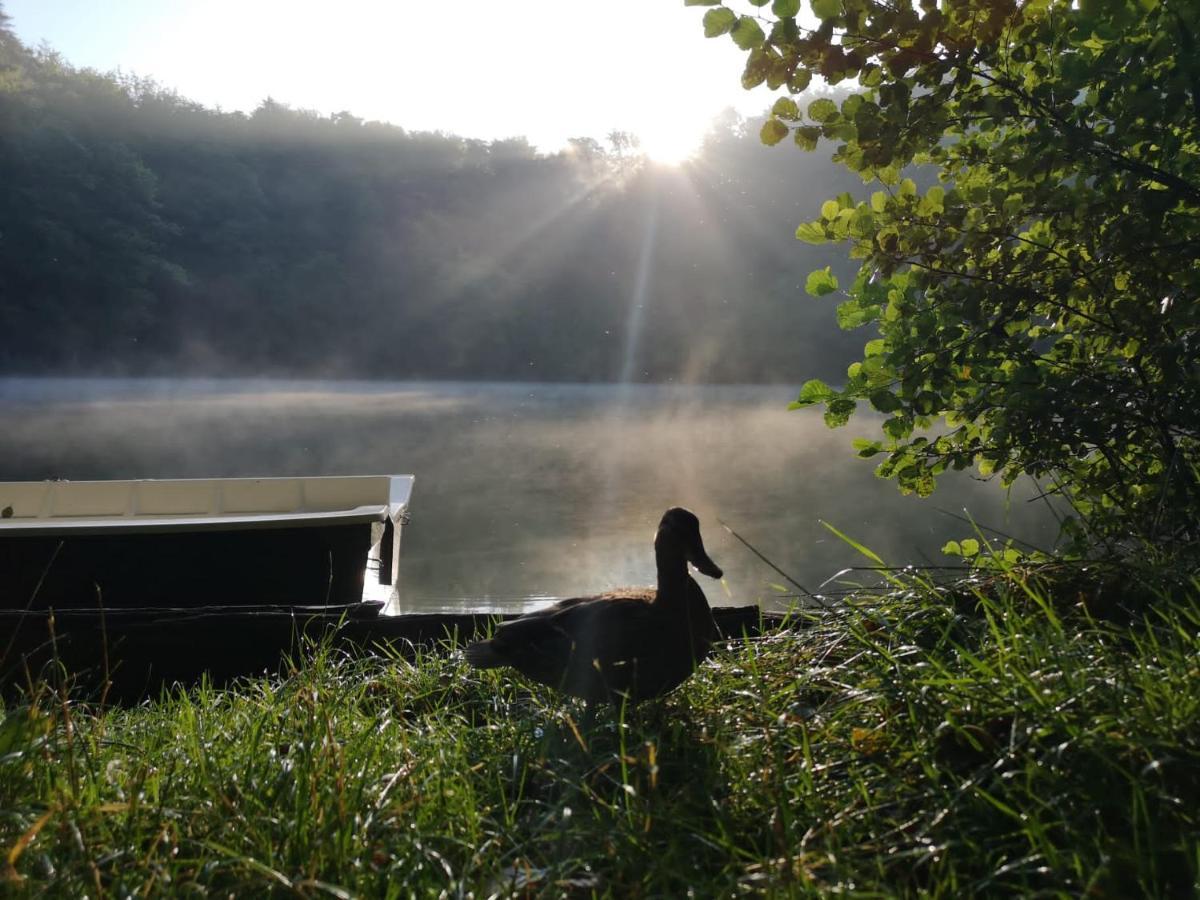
[(786, 9), (884, 401), (772, 132), (866, 448), (807, 137), (822, 109), (747, 34), (952, 548), (970, 547), (718, 21), (838, 411), (758, 65), (897, 428), (812, 233), (862, 222), (889, 174), (927, 403), (821, 282), (853, 314), (785, 108), (814, 391), (826, 9), (933, 202), (830, 210), (799, 80)]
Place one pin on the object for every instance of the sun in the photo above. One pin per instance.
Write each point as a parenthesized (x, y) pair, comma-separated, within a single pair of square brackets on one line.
[(670, 148), (671, 144)]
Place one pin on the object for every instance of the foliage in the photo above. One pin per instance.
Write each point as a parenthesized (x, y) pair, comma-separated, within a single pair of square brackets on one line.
[(1041, 296), (1002, 743)]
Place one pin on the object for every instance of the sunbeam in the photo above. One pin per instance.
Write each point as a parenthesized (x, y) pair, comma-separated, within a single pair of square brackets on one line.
[(484, 264), (641, 294)]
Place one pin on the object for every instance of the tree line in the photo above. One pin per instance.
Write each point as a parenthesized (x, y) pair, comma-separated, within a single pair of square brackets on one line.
[(141, 232)]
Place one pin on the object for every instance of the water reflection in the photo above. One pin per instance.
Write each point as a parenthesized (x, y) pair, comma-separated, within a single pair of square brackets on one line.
[(523, 490)]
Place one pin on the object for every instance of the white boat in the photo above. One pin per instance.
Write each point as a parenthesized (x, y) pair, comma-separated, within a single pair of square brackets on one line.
[(202, 542)]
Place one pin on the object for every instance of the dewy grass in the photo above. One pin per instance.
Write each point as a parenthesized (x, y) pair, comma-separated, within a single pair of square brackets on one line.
[(992, 739)]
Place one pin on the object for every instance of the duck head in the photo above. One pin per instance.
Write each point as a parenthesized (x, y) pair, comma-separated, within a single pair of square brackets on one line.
[(679, 529)]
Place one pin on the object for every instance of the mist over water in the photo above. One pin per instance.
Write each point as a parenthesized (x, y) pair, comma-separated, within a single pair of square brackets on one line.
[(523, 490)]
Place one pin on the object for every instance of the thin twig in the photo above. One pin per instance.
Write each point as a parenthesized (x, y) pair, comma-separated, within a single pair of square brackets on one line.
[(28, 606), (995, 531), (103, 648), (1044, 496), (753, 550)]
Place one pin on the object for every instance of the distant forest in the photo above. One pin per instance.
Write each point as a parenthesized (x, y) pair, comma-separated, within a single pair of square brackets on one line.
[(142, 233)]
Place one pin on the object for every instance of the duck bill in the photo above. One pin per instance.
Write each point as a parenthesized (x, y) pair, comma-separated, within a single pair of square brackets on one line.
[(698, 558)]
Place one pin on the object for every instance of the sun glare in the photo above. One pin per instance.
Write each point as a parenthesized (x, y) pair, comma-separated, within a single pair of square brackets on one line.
[(368, 53), (672, 143), (670, 150)]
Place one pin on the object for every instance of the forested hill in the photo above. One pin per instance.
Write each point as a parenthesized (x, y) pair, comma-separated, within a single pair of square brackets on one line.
[(143, 233)]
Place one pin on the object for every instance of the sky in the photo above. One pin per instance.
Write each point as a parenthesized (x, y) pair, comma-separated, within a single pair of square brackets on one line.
[(545, 69)]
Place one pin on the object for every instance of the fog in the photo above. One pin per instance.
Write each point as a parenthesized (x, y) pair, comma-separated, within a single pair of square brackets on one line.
[(525, 490)]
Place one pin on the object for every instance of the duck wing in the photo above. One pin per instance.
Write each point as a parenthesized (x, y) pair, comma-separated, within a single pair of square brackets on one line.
[(616, 645), (532, 636), (582, 645)]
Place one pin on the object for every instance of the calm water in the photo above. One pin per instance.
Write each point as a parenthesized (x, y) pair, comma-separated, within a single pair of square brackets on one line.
[(523, 490)]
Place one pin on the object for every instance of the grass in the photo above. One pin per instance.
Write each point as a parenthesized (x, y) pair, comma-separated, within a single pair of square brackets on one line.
[(990, 740)]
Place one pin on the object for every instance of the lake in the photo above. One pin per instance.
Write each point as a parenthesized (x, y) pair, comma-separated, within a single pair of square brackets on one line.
[(527, 491)]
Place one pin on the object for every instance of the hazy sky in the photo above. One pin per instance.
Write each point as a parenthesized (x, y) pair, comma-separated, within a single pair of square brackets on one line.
[(547, 69)]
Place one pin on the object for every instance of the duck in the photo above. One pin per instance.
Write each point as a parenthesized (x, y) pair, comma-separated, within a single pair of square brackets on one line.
[(626, 645)]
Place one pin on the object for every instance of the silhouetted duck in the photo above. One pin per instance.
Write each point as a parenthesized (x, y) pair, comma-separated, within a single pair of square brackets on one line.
[(635, 643)]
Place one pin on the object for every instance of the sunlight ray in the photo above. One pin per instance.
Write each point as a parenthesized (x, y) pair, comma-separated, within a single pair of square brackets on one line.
[(484, 264), (641, 293)]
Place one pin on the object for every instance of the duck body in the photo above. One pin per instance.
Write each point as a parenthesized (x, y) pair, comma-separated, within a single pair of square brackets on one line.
[(630, 644)]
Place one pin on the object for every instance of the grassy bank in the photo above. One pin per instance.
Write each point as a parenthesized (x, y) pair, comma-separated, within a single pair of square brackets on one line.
[(987, 742)]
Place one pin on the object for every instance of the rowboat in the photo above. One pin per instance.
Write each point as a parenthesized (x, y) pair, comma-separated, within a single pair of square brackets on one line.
[(187, 543), (140, 583)]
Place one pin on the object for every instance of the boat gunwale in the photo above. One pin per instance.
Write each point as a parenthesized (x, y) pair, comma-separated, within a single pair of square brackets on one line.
[(393, 506), (104, 524)]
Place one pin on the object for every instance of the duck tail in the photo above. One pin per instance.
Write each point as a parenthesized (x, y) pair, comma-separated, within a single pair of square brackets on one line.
[(483, 655)]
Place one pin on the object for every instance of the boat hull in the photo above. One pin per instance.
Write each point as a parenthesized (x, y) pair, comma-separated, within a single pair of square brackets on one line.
[(194, 543), (289, 566)]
